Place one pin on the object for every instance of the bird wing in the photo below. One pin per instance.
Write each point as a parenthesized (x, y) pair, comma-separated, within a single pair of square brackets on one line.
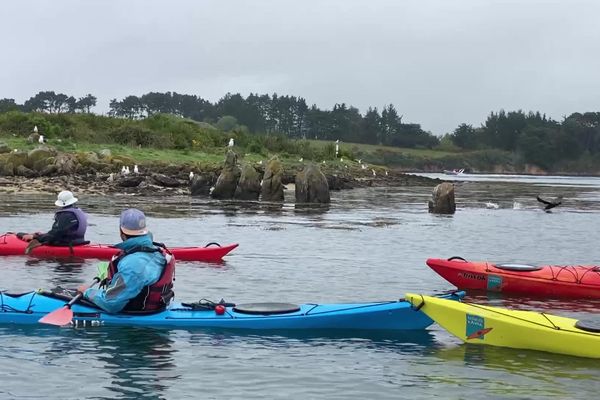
[(542, 200)]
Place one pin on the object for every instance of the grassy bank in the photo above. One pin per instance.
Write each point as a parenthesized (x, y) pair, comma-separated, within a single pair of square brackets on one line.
[(171, 139)]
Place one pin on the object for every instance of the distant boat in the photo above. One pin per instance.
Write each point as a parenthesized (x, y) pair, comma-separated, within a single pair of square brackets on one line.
[(454, 171)]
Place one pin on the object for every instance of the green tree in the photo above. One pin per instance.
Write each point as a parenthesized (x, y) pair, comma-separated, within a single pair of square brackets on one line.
[(536, 147), (227, 123), (464, 137), (8, 105), (371, 127), (86, 103)]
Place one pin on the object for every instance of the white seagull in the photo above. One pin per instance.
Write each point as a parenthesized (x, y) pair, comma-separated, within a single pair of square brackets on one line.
[(191, 175), (123, 171), (494, 206), (374, 174), (35, 129), (301, 159), (41, 139), (135, 169), (230, 143)]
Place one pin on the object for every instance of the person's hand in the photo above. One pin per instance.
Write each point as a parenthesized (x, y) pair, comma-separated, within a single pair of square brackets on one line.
[(82, 288), (27, 237)]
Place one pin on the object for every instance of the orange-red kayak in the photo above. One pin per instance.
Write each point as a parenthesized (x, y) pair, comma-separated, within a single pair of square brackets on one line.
[(548, 280), (11, 245)]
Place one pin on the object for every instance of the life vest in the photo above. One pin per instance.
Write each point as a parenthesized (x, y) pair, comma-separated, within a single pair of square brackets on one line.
[(157, 296), (79, 232)]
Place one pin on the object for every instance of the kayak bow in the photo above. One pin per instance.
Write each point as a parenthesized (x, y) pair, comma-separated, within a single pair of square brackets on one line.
[(477, 324)]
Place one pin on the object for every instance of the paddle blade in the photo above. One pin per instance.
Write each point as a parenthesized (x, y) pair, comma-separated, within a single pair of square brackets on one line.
[(102, 270), (59, 317)]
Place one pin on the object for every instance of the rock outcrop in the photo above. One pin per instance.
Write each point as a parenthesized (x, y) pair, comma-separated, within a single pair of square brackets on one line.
[(228, 179), (248, 187), (443, 199), (312, 186), (272, 186), (201, 183)]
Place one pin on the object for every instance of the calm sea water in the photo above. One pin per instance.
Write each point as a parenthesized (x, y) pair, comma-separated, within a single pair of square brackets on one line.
[(369, 244)]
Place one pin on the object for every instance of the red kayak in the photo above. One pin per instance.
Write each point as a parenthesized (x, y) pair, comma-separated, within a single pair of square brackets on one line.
[(11, 245), (547, 280)]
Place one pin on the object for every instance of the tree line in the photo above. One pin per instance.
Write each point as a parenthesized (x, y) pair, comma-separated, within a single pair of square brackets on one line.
[(260, 114), (533, 137), (51, 102)]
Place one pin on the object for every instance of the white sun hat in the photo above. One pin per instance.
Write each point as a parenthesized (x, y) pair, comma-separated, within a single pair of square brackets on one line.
[(65, 198)]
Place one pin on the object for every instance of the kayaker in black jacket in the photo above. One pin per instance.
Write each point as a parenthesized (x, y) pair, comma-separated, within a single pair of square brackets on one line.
[(70, 225)]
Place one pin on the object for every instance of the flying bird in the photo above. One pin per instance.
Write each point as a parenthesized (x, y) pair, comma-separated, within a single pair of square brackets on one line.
[(550, 204)]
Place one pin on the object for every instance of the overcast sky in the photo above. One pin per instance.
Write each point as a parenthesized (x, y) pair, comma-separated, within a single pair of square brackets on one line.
[(440, 62)]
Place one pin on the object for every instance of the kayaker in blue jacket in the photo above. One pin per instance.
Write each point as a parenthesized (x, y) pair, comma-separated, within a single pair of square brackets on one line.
[(140, 278), (70, 225)]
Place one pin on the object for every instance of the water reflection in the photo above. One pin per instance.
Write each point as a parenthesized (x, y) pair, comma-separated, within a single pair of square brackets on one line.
[(100, 363), (67, 271), (537, 365), (400, 341), (140, 362)]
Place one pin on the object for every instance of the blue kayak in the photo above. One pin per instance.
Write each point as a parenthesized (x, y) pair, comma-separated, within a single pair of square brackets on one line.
[(28, 308)]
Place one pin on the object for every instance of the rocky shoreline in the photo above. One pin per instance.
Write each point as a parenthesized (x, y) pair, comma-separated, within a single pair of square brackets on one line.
[(151, 184), (45, 170)]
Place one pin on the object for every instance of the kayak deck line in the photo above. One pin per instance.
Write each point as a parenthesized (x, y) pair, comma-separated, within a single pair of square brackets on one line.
[(548, 317)]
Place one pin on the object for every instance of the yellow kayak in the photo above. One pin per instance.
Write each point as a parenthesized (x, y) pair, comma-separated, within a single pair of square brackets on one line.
[(502, 327)]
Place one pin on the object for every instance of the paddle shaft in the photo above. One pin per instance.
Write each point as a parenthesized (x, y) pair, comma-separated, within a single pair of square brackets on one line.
[(80, 295)]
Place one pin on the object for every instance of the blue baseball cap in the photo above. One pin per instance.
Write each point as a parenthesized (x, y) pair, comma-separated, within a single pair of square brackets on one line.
[(133, 222)]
